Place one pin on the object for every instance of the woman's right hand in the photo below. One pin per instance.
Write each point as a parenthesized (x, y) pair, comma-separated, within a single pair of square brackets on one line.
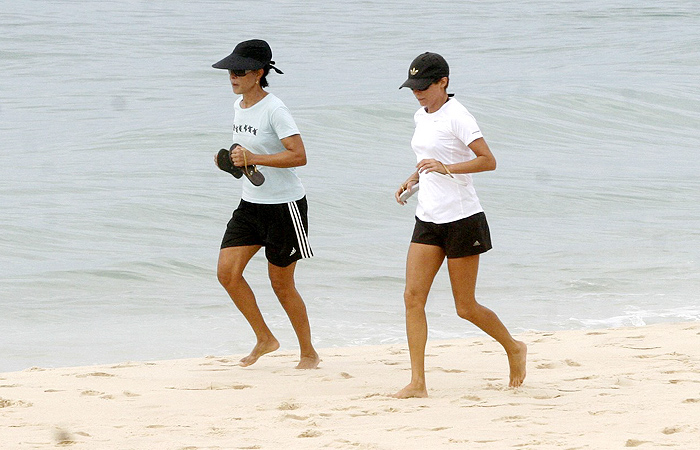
[(404, 187)]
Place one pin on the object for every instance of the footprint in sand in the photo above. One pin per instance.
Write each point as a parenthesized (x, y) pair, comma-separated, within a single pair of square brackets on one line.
[(95, 374), (295, 417), (548, 365), (91, 393), (510, 419), (63, 438), (5, 403), (286, 406), (310, 434), (441, 369)]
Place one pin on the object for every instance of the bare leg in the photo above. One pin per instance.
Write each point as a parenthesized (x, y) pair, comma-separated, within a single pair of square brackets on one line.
[(463, 273), (282, 280), (232, 263), (422, 264)]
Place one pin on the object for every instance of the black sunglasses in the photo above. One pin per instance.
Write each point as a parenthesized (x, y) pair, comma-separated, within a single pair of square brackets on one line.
[(239, 72)]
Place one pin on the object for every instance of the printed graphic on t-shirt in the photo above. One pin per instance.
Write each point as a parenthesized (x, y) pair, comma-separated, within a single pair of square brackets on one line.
[(245, 129)]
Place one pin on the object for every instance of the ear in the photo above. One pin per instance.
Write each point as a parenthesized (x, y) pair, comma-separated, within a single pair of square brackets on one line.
[(258, 75)]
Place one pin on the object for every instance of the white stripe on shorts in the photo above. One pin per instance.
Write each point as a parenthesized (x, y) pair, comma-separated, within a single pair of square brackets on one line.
[(302, 239)]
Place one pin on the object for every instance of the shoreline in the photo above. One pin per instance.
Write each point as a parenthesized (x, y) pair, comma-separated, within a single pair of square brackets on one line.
[(619, 387)]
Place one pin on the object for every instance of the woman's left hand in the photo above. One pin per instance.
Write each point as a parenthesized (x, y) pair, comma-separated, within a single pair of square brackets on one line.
[(431, 165)]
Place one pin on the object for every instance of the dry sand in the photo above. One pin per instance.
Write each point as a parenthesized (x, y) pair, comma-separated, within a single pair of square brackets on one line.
[(603, 389)]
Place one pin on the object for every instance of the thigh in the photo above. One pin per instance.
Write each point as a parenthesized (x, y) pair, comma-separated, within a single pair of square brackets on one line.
[(233, 260), (422, 264), (463, 272)]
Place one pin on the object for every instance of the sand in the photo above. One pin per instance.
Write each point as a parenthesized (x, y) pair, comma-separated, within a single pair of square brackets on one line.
[(585, 389)]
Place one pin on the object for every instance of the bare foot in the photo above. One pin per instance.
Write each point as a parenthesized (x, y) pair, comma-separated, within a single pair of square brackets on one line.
[(309, 362), (412, 391), (517, 362), (261, 348)]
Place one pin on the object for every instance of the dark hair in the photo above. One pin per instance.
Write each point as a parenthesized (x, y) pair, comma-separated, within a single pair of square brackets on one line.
[(440, 78), (263, 79)]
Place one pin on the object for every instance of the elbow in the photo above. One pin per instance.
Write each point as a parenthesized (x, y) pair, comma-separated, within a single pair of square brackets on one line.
[(491, 163)]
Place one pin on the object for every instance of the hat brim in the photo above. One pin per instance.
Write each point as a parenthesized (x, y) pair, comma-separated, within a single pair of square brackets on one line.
[(420, 84), (238, 62)]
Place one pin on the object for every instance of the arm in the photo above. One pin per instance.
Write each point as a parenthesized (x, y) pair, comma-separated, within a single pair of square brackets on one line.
[(293, 155), (483, 162)]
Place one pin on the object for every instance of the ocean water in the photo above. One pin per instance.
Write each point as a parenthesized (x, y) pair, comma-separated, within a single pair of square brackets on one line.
[(111, 209)]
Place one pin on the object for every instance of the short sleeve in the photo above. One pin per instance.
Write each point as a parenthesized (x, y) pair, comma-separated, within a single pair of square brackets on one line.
[(465, 128), (283, 123)]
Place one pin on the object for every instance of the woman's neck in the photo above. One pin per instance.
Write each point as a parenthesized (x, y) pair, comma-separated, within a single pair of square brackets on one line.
[(437, 105), (252, 97)]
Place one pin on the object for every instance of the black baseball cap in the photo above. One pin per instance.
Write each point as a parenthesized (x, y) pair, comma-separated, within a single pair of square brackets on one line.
[(425, 70), (248, 55)]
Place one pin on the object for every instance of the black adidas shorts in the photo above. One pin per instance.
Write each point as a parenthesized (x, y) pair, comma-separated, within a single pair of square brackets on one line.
[(280, 228), (464, 237)]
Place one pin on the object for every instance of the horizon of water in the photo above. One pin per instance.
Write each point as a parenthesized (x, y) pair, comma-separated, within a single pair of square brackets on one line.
[(112, 211)]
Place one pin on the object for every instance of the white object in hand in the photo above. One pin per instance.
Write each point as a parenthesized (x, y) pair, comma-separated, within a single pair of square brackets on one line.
[(405, 195)]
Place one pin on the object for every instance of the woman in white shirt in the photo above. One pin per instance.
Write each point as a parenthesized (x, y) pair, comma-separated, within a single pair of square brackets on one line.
[(450, 222)]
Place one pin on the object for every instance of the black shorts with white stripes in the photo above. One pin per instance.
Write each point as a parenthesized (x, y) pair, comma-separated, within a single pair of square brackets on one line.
[(281, 228)]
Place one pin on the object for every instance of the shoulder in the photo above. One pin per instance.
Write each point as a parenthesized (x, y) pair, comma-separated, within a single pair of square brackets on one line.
[(455, 107), (276, 108), (273, 102), (458, 111)]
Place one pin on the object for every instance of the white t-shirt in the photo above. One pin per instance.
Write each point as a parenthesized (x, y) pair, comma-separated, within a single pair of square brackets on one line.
[(445, 135), (260, 129)]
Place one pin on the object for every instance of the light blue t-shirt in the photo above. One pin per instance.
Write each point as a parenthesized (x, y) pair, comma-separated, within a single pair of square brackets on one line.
[(260, 129)]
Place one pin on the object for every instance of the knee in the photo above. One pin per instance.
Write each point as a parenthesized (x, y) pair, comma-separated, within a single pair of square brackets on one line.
[(227, 278), (223, 276), (414, 299), (282, 288), (467, 312)]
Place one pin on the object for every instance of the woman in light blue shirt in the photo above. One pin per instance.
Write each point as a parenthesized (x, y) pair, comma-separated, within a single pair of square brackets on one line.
[(273, 209)]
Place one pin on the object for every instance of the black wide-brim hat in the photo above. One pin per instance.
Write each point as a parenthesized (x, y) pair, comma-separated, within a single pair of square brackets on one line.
[(425, 70), (248, 55)]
